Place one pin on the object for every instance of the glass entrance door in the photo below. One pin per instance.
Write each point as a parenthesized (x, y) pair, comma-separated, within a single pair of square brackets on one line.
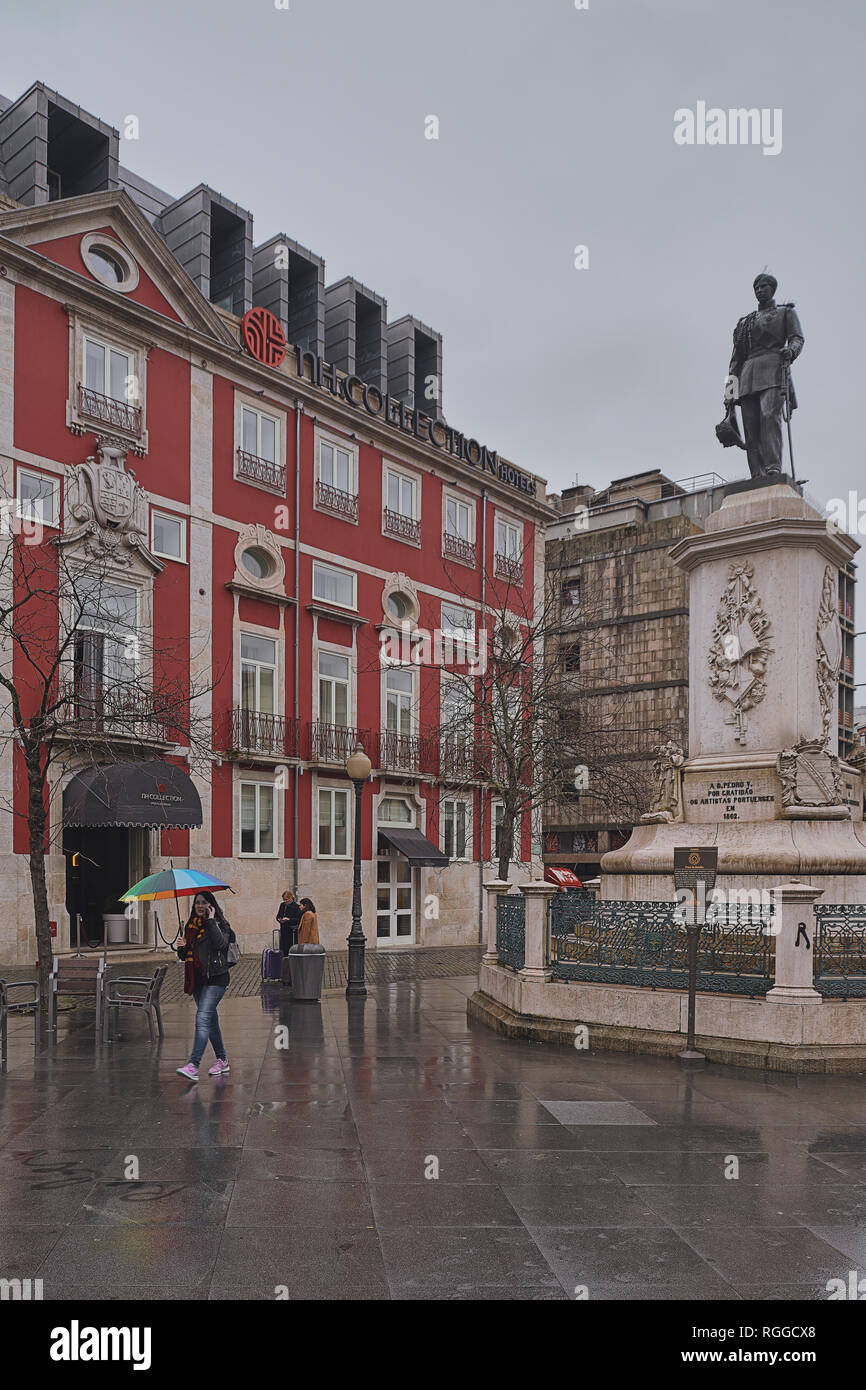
[(395, 900)]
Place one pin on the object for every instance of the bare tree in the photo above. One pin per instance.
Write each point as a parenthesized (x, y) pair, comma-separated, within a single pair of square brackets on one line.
[(82, 683)]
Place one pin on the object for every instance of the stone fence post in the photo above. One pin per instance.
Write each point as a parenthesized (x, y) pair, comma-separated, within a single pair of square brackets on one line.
[(493, 888), (536, 896), (795, 942)]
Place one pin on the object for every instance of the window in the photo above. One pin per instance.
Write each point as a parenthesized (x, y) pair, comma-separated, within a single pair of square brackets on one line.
[(399, 700), (571, 657), (336, 466), (507, 540), (333, 586), (400, 492), (458, 711), (106, 644), (257, 562), (333, 689), (258, 819), (333, 823), (167, 536), (109, 371), (458, 623), (571, 594), (458, 519), (399, 607), (38, 498), (454, 821), (258, 673), (260, 435), (394, 811), (109, 262)]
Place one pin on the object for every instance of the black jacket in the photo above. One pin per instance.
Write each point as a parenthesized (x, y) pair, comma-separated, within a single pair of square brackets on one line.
[(290, 913), (212, 948)]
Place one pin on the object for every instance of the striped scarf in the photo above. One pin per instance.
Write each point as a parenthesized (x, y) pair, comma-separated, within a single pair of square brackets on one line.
[(194, 933)]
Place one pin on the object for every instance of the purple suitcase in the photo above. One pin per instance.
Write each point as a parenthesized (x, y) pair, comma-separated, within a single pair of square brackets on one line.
[(272, 961)]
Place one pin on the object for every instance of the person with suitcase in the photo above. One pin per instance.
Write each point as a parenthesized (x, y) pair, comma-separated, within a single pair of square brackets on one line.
[(288, 918)]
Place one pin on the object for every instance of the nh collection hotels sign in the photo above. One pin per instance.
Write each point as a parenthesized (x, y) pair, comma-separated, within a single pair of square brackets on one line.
[(362, 396)]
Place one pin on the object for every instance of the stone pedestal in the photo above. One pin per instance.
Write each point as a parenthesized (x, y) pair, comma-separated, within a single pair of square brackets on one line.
[(535, 962), (762, 782), (493, 888), (795, 945)]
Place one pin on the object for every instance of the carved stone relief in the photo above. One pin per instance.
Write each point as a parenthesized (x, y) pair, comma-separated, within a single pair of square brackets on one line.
[(740, 648)]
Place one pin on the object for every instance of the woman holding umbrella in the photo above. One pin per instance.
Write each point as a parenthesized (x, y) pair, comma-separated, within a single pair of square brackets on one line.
[(204, 952)]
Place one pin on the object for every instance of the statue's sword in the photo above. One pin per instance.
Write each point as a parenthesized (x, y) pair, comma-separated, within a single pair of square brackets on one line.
[(787, 414)]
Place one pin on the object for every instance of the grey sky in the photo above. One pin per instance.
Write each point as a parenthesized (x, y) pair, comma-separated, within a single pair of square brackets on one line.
[(556, 129)]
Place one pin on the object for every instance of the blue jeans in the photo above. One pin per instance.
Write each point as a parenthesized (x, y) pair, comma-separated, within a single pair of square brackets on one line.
[(207, 1024)]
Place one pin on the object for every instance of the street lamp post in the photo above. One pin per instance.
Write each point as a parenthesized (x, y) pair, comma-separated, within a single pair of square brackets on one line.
[(358, 767)]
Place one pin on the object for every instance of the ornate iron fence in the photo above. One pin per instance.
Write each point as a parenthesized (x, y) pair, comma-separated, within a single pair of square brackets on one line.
[(259, 470), (511, 930), (334, 499), (644, 943), (406, 527), (119, 415), (251, 731), (458, 548), (840, 950)]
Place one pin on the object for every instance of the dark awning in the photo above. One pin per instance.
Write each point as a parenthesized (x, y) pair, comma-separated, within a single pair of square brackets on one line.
[(148, 793), (420, 852)]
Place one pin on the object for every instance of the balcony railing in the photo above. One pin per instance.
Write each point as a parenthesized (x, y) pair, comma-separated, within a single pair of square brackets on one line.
[(458, 759), (264, 471), (396, 524), (332, 743), (119, 711), (458, 548), (108, 411), (334, 499), (402, 752), (509, 569), (272, 735)]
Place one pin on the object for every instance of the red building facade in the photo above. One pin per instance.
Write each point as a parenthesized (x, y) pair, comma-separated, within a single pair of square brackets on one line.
[(265, 529)]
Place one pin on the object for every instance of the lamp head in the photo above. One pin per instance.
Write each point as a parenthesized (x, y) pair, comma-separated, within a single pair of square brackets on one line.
[(358, 765)]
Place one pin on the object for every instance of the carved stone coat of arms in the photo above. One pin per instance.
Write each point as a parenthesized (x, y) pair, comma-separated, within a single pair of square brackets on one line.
[(740, 648)]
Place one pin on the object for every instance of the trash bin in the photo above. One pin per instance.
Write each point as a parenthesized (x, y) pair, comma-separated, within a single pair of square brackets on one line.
[(307, 968)]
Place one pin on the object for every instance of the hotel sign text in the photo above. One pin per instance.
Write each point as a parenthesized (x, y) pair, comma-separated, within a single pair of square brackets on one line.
[(381, 406)]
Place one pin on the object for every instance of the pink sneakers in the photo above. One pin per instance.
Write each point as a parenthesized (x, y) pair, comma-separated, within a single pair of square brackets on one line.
[(219, 1067), (189, 1071)]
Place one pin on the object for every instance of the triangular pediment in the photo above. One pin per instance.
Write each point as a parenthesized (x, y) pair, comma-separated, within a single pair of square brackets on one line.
[(71, 218)]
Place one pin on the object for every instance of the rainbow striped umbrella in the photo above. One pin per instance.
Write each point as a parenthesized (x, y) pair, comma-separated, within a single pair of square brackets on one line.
[(172, 883)]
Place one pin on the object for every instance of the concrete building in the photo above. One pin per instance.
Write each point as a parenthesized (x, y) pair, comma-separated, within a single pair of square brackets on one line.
[(264, 512), (625, 623)]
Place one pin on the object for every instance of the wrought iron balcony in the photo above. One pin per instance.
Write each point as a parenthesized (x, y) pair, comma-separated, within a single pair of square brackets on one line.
[(105, 410), (458, 759), (332, 743), (334, 499), (458, 548), (116, 711), (264, 471), (396, 524), (402, 752), (509, 569), (271, 735)]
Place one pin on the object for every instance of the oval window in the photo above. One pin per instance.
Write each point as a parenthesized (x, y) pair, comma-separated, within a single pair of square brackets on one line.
[(258, 563), (399, 606), (109, 262), (105, 266)]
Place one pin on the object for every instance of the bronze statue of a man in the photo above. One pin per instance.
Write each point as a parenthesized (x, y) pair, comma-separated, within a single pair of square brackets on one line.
[(766, 342)]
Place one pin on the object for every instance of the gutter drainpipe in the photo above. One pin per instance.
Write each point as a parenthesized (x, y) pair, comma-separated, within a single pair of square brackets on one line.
[(481, 730), (299, 407)]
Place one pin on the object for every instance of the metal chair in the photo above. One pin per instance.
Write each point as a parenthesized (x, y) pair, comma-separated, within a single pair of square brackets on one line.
[(115, 998), (7, 1007), (78, 975)]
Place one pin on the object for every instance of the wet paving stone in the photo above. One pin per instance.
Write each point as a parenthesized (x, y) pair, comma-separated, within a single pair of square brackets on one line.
[(395, 1151)]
